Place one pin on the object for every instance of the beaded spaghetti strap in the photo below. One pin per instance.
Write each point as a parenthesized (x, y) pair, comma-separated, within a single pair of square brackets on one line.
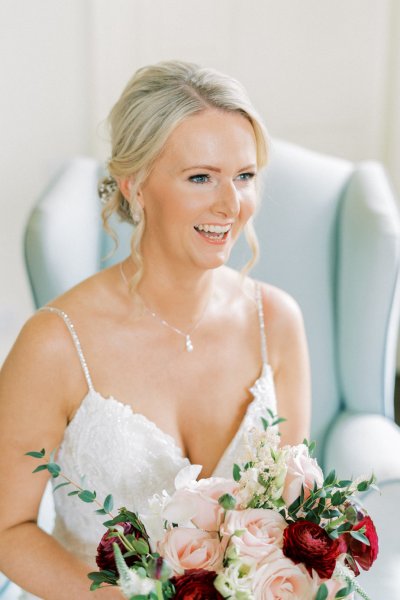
[(260, 311), (76, 341)]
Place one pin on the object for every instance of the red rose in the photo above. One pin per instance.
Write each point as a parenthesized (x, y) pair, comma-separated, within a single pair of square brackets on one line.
[(306, 542), (365, 555), (196, 584), (105, 553)]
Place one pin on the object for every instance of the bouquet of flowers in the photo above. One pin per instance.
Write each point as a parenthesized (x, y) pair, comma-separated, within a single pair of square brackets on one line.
[(278, 529)]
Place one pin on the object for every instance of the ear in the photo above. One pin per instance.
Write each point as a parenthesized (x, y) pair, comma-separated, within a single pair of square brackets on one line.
[(125, 186)]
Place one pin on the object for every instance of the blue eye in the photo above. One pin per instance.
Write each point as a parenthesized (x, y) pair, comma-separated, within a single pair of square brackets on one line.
[(246, 176), (201, 178)]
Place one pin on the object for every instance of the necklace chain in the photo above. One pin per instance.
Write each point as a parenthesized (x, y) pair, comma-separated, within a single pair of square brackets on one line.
[(188, 340)]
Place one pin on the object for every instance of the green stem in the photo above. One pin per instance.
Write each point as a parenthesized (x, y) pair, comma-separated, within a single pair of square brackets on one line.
[(160, 595), (125, 542), (61, 474)]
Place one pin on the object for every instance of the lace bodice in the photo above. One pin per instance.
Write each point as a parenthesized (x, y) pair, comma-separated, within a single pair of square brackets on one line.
[(124, 453)]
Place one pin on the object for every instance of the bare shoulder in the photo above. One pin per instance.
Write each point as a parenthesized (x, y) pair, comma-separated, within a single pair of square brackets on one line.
[(42, 339), (283, 322), (280, 308), (38, 362)]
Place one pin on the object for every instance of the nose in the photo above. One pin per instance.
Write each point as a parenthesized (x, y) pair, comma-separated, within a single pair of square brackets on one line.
[(227, 202)]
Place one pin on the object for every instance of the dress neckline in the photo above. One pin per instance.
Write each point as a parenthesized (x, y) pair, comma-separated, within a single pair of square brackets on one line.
[(92, 393)]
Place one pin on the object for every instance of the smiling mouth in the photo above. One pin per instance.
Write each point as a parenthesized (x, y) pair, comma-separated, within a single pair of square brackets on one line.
[(214, 232)]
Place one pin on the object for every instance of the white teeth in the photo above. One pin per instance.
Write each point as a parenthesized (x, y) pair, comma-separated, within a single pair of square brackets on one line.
[(214, 228)]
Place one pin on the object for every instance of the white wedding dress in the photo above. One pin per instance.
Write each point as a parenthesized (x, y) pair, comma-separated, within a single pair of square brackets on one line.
[(115, 450)]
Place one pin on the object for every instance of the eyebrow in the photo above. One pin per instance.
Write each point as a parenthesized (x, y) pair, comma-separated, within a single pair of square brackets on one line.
[(216, 169)]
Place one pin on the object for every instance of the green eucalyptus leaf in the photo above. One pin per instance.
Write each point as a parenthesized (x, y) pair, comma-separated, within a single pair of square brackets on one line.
[(337, 498), (53, 469), (94, 586), (87, 495), (330, 478), (265, 423), (40, 468), (279, 420), (108, 504), (357, 535), (363, 486), (344, 483), (294, 506), (344, 527), (100, 576), (322, 593), (100, 511), (344, 592), (74, 493), (236, 472), (34, 454), (311, 448), (60, 485), (334, 534)]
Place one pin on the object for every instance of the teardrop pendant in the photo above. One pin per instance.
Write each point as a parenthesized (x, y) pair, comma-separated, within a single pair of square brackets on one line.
[(189, 345)]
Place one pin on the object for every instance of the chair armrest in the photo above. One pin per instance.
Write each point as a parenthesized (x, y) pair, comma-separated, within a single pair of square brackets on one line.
[(368, 291), (359, 444)]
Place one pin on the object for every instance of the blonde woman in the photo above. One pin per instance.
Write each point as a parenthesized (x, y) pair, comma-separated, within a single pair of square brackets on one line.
[(164, 359)]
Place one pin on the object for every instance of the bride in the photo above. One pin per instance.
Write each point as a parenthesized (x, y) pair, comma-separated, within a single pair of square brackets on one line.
[(163, 360)]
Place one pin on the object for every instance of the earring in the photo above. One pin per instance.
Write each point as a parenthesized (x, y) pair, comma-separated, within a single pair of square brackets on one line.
[(137, 214)]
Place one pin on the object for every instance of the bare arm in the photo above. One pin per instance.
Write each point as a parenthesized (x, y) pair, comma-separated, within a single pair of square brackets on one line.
[(35, 392), (290, 361)]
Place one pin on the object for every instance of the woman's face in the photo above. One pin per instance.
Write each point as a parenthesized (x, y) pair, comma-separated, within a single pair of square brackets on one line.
[(201, 191)]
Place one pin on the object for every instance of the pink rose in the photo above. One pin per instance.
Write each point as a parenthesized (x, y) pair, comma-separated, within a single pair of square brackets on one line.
[(262, 531), (189, 548), (301, 470), (279, 577), (198, 503)]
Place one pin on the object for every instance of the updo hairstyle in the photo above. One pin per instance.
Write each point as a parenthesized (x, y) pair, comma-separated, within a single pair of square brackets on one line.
[(154, 102)]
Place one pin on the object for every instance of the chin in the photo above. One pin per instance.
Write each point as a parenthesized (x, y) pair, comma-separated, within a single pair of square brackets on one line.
[(213, 262)]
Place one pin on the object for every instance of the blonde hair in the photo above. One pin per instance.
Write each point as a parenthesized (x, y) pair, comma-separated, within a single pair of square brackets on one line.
[(153, 103)]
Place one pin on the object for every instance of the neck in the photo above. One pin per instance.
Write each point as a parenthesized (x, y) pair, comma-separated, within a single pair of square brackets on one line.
[(179, 298)]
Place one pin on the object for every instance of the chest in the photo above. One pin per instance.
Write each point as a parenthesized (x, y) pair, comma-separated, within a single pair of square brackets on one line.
[(199, 398)]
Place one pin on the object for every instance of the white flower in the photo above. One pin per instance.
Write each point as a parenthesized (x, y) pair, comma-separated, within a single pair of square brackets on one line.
[(187, 476), (302, 470), (134, 585), (153, 519), (236, 580)]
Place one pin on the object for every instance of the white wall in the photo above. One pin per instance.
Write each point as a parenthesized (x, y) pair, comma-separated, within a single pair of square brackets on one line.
[(44, 107), (323, 74)]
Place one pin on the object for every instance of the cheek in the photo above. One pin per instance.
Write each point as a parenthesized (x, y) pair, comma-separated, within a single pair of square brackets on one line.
[(248, 206)]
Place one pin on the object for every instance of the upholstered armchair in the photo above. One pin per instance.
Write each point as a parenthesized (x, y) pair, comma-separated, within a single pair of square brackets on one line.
[(329, 235)]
